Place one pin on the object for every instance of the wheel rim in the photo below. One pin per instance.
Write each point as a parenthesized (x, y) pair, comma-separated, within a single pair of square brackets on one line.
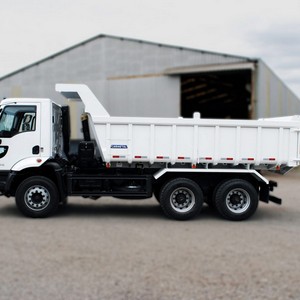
[(182, 199), (37, 198), (238, 200)]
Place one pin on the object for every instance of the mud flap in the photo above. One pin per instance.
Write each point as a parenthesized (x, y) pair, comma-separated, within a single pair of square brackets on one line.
[(264, 193)]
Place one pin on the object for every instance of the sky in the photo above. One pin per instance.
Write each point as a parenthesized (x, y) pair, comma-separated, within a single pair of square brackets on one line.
[(31, 30)]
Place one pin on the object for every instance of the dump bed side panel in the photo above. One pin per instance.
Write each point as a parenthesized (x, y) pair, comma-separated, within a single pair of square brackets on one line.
[(191, 143)]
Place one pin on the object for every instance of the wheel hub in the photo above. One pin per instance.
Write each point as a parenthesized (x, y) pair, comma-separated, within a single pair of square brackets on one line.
[(238, 200), (182, 200), (37, 198)]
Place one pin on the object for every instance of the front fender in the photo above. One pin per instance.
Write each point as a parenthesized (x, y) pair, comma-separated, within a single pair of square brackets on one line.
[(31, 167), (31, 162)]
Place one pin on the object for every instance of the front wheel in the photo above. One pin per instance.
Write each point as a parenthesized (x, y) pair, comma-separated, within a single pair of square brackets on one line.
[(181, 199), (236, 199), (37, 197)]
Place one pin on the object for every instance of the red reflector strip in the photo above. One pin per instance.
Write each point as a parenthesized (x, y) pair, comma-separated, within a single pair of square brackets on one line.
[(116, 156), (162, 157), (205, 158), (138, 156), (227, 158), (180, 157), (249, 158), (270, 158)]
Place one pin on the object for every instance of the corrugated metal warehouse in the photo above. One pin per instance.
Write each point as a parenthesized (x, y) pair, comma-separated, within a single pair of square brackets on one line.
[(139, 78)]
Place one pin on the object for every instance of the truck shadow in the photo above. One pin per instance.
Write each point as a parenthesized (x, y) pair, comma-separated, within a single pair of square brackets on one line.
[(149, 210), (119, 210), (9, 210)]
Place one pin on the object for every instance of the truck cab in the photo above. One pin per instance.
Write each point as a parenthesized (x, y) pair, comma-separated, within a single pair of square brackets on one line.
[(30, 134)]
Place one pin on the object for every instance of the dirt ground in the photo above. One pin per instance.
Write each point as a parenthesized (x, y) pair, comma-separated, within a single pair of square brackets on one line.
[(120, 249)]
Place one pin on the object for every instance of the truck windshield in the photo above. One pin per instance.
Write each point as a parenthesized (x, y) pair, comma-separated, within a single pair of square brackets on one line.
[(16, 119)]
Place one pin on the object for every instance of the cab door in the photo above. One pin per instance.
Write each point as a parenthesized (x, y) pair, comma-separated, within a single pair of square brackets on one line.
[(19, 134)]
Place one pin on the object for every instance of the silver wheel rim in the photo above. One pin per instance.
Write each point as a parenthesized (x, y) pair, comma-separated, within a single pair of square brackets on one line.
[(238, 200), (37, 198), (182, 200)]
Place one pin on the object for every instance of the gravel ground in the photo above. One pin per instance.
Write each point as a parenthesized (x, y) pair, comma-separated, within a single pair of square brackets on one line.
[(117, 249)]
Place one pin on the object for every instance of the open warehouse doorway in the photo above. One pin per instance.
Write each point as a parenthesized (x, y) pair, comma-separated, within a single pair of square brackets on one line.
[(219, 94), (222, 91)]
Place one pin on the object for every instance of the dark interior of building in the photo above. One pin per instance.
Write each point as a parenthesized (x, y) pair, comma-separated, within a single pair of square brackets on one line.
[(223, 94)]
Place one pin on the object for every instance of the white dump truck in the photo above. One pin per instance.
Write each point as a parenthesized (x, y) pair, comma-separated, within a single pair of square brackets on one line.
[(182, 162)]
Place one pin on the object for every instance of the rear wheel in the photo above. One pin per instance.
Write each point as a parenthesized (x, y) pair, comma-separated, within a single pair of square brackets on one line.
[(37, 197), (236, 199), (181, 199)]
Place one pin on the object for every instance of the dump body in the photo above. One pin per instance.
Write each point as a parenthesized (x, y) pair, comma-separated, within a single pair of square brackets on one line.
[(254, 143), (198, 141)]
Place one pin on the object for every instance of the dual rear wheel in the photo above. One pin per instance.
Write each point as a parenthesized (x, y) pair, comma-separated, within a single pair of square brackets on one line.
[(234, 199), (181, 199)]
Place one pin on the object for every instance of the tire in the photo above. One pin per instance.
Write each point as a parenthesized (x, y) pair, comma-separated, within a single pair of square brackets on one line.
[(37, 197), (236, 199), (181, 199)]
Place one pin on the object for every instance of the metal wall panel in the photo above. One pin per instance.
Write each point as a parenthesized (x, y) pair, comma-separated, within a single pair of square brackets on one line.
[(145, 97), (77, 65), (273, 97)]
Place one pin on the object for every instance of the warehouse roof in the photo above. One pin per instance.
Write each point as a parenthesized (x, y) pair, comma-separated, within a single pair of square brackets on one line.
[(246, 59)]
